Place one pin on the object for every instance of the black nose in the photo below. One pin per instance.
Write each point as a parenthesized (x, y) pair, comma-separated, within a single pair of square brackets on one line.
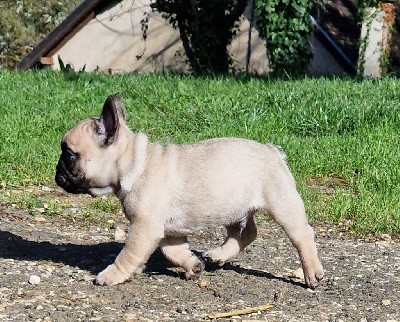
[(61, 176), (60, 179)]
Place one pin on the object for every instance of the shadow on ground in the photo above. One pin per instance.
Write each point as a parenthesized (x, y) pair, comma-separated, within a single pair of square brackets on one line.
[(95, 257)]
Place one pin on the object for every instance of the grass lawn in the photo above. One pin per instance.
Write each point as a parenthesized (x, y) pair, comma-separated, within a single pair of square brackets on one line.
[(341, 135)]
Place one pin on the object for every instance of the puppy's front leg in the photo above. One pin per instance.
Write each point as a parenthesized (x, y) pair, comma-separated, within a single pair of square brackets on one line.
[(143, 238)]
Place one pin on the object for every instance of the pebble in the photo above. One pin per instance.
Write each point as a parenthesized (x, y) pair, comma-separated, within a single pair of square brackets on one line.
[(385, 302), (40, 219), (119, 234), (386, 237), (297, 273), (203, 283), (130, 317), (46, 189), (34, 279)]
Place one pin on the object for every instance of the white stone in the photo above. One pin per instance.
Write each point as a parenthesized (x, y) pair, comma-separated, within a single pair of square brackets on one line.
[(297, 273), (46, 189), (34, 279), (386, 237), (119, 234)]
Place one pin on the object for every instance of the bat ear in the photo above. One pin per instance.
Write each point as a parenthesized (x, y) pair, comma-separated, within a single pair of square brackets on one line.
[(108, 123), (118, 104)]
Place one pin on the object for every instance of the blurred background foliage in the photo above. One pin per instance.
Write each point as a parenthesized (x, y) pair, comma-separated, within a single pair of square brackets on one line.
[(23, 23)]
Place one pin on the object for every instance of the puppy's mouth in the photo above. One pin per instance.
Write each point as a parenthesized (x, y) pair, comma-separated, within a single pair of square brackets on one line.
[(70, 182)]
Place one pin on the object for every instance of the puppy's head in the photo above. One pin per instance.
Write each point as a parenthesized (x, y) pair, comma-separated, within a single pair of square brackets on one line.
[(90, 150)]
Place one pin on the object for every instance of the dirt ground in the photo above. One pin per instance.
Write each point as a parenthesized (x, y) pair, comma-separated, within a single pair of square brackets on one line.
[(47, 268)]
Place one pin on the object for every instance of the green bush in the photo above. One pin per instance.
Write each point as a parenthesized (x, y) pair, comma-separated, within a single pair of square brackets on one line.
[(285, 26), (24, 23)]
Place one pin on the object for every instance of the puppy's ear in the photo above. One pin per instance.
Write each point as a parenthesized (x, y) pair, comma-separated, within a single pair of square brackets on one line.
[(108, 123), (119, 105)]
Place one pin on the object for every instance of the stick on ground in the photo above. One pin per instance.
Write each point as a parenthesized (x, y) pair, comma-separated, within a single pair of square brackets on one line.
[(248, 310)]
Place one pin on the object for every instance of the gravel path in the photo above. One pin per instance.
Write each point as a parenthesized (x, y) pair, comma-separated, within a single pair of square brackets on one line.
[(47, 267)]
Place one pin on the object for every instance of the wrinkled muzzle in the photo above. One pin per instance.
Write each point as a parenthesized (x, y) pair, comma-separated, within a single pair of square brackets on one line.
[(70, 182)]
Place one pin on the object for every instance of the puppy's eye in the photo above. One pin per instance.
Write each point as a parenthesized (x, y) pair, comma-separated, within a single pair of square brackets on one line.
[(70, 156)]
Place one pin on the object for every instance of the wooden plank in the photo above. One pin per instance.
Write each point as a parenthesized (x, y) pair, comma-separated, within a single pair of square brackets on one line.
[(46, 60)]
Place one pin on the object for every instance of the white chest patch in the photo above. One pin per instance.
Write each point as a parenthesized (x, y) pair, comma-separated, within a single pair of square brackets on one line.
[(140, 157), (98, 192)]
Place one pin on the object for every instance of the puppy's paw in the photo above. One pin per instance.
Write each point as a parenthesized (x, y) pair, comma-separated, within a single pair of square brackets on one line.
[(111, 276), (215, 256), (313, 277), (195, 272)]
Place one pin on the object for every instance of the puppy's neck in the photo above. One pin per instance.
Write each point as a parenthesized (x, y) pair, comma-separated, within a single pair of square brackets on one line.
[(132, 163)]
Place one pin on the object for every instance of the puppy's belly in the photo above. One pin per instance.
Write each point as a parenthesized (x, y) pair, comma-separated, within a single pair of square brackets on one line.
[(184, 225), (179, 226)]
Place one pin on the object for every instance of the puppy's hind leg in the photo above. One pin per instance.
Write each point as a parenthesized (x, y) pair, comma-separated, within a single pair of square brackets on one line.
[(290, 215), (239, 236), (177, 251)]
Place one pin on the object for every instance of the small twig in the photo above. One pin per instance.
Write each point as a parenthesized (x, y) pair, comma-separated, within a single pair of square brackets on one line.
[(266, 307), (248, 310)]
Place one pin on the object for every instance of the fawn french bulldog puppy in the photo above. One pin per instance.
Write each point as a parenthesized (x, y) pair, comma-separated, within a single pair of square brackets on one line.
[(168, 191)]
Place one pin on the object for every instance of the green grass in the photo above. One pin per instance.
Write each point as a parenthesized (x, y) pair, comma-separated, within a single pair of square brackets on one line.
[(341, 135)]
